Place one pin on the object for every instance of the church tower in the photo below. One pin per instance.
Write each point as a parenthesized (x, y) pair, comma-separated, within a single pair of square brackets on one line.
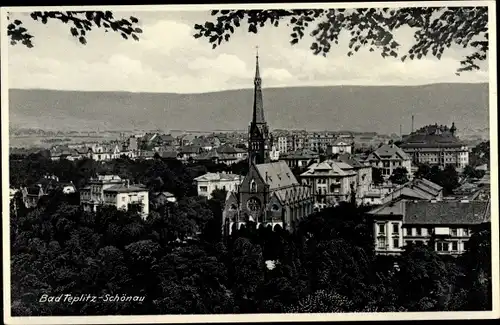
[(258, 132)]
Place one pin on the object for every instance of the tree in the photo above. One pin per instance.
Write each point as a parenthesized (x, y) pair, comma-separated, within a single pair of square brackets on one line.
[(471, 172), (435, 29), (449, 180), (377, 177), (399, 176), (80, 23)]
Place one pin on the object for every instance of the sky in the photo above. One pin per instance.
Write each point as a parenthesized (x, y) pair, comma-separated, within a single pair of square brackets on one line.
[(169, 59)]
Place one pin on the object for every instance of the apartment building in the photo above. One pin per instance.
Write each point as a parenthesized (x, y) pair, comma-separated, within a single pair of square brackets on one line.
[(115, 191), (209, 182), (446, 225), (330, 182)]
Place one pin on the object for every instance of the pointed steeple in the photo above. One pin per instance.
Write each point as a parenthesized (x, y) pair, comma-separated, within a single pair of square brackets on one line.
[(258, 106)]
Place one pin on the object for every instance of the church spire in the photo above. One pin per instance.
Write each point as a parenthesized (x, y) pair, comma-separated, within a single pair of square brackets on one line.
[(258, 106)]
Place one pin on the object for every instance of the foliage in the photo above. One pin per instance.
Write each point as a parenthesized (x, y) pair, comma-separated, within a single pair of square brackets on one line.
[(480, 154), (435, 29), (471, 172), (80, 22), (447, 177), (179, 263), (399, 176)]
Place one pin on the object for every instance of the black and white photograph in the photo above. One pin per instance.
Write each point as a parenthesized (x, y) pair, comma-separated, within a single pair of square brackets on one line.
[(249, 162)]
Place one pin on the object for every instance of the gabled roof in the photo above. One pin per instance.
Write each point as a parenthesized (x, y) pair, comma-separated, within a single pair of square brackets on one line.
[(276, 175), (350, 160), (388, 151), (328, 168), (446, 212), (166, 137)]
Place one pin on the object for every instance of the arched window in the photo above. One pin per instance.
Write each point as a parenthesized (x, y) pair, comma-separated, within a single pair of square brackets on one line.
[(253, 186), (275, 207), (233, 207)]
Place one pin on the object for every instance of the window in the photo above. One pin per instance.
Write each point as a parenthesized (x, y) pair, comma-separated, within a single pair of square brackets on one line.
[(381, 243), (395, 228), (381, 228), (454, 246), (466, 245), (395, 243), (203, 188), (418, 231), (123, 199), (454, 232), (253, 187), (466, 232), (442, 247)]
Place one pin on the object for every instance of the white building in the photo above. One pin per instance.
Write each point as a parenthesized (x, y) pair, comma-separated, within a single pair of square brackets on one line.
[(207, 183), (448, 223), (112, 190), (340, 146)]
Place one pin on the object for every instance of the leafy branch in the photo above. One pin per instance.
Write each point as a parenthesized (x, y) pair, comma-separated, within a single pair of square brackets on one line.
[(435, 29), (81, 22)]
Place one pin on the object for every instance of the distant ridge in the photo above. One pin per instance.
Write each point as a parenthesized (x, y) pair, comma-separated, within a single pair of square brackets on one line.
[(358, 108)]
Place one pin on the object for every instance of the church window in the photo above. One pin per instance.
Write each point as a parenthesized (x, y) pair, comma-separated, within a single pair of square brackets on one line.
[(253, 186), (275, 207), (253, 205), (233, 207)]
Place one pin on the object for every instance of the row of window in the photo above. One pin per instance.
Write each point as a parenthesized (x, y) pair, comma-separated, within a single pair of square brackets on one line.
[(440, 246), (418, 231)]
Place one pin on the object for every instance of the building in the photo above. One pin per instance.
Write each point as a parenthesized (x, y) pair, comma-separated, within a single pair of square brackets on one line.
[(339, 146), (210, 182), (159, 199), (445, 224), (387, 158), (101, 152), (300, 158), (113, 190), (363, 173), (319, 142), (416, 189), (331, 182), (44, 186), (437, 145), (269, 194)]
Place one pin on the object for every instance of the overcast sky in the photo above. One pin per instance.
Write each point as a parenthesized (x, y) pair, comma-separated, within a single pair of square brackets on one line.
[(169, 59)]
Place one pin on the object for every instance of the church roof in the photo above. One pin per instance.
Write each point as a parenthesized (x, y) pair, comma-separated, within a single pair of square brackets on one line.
[(276, 175)]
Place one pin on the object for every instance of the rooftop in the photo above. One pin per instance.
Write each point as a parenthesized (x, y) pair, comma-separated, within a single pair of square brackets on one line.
[(218, 177), (123, 188)]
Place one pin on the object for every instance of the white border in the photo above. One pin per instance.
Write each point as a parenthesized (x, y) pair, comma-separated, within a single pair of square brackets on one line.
[(255, 317)]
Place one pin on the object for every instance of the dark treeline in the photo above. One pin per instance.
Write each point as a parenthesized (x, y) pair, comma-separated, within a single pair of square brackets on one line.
[(179, 262)]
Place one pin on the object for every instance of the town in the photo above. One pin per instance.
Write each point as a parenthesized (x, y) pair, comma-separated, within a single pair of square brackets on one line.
[(287, 176), (258, 221)]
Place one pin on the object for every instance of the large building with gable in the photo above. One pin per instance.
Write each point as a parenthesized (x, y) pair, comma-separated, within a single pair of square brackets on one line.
[(269, 194)]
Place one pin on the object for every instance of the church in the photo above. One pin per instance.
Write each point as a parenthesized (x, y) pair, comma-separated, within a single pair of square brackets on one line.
[(269, 194)]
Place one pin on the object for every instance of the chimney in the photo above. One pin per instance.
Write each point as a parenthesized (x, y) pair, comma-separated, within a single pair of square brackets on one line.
[(266, 176), (412, 122), (127, 182)]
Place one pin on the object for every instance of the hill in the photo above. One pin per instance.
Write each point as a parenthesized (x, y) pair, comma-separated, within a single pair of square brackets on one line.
[(358, 108)]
